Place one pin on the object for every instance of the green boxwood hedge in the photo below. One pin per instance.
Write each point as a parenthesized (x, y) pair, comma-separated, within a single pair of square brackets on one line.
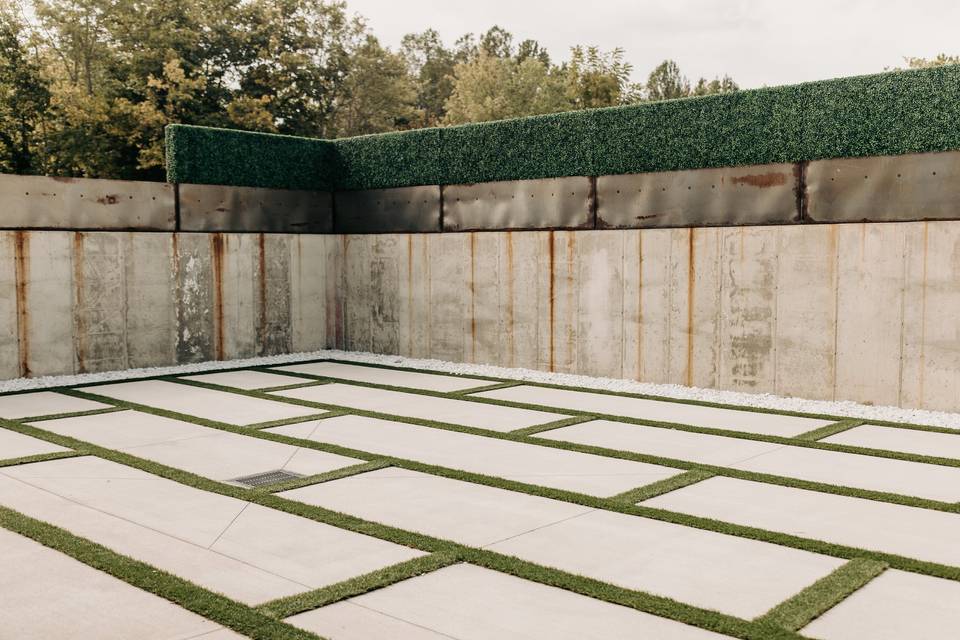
[(883, 114)]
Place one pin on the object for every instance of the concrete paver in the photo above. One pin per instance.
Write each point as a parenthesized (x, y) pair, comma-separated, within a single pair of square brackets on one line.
[(668, 443), (209, 452), (469, 513), (712, 570), (44, 403), (816, 465), (409, 405), (924, 443), (735, 575), (46, 594), (472, 603), (918, 533), (222, 406), (590, 474), (16, 445), (389, 377), (894, 606), (659, 410), (246, 379), (248, 552)]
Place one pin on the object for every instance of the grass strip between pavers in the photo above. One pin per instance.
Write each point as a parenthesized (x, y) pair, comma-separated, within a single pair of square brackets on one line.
[(70, 414), (650, 603), (320, 478), (830, 430), (352, 587), (654, 489), (880, 496), (427, 543), (220, 609), (824, 594), (39, 457)]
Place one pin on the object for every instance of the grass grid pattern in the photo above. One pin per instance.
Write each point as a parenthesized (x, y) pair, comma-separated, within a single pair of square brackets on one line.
[(782, 621)]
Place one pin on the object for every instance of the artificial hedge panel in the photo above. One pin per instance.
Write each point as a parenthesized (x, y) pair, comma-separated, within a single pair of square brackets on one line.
[(546, 146), (204, 155), (884, 114), (399, 159)]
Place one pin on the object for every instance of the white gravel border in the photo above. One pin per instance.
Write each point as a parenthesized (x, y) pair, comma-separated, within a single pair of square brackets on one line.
[(763, 401)]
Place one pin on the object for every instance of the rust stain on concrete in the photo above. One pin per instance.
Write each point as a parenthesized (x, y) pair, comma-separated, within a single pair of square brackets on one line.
[(262, 284), (552, 291), (691, 279), (761, 180), (923, 317), (410, 293), (21, 241), (572, 307), (108, 199), (510, 290), (217, 242), (79, 306), (473, 297), (640, 309)]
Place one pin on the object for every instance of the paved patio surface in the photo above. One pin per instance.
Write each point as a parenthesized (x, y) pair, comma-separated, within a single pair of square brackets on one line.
[(346, 501)]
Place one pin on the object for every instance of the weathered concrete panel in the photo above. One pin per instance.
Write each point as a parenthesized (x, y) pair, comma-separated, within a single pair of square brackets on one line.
[(560, 303), (550, 203), (233, 268), (100, 342), (46, 317), (307, 285), (384, 305), (518, 273), (931, 332), (414, 300), (749, 309), (38, 202), (149, 309), (9, 342), (870, 312), (449, 337), (600, 304), (806, 311), (194, 298), (206, 207), (272, 294), (484, 283), (654, 268)]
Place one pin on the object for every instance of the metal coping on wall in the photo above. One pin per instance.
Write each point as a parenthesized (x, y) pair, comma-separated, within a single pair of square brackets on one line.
[(912, 187)]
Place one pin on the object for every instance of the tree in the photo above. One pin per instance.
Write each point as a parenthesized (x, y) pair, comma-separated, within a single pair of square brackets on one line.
[(597, 79), (666, 82), (924, 63), (493, 88), (431, 65), (377, 95), (24, 100)]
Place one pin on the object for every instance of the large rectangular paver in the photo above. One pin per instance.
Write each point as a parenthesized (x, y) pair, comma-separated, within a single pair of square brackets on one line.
[(46, 594), (246, 379), (16, 445), (246, 551), (735, 575), (221, 406), (712, 570), (815, 465), (924, 443), (895, 606), (918, 533), (469, 513), (410, 405), (389, 377), (659, 410), (590, 474), (44, 403), (667, 443), (466, 602), (202, 450)]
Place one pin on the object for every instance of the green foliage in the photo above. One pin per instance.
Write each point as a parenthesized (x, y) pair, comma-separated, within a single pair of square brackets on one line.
[(203, 155), (884, 114)]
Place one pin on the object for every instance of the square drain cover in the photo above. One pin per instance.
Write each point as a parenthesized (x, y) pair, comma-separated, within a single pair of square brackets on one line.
[(267, 477)]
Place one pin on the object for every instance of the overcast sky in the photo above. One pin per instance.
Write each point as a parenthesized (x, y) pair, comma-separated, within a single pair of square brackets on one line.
[(757, 42)]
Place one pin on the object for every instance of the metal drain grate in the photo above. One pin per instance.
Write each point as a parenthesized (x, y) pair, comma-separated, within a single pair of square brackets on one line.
[(267, 477)]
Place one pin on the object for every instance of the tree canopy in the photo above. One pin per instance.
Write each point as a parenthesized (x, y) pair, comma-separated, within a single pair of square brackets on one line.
[(87, 86)]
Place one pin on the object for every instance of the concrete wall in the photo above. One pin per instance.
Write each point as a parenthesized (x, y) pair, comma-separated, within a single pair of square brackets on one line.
[(865, 312), (76, 302)]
